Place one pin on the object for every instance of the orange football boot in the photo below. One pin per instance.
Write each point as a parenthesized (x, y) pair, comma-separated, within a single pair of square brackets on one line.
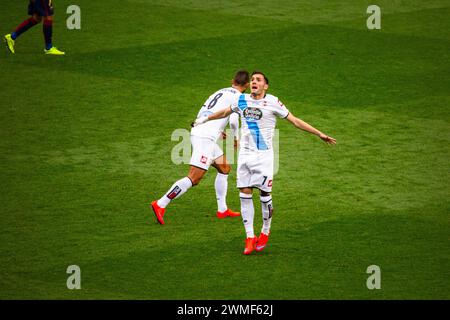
[(249, 245), (261, 242), (159, 212), (227, 213)]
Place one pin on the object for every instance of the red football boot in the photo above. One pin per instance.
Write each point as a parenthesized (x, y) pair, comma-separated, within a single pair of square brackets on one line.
[(159, 212), (249, 245), (227, 213), (261, 242)]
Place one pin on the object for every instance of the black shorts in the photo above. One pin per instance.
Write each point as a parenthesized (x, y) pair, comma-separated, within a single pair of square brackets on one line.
[(43, 8)]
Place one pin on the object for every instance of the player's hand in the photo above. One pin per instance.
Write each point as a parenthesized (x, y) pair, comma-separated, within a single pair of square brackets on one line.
[(224, 135), (327, 139), (199, 121)]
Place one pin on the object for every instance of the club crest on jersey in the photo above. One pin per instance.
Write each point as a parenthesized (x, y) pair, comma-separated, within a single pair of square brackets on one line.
[(252, 114)]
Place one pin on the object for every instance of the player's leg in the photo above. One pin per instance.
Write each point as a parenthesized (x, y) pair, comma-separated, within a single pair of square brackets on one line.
[(243, 178), (221, 186), (267, 211), (23, 27), (48, 31), (26, 25), (181, 186), (202, 150), (37, 17), (248, 214), (47, 12), (176, 191), (263, 179)]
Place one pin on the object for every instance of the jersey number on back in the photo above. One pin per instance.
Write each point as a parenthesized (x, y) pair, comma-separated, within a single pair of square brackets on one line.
[(213, 102)]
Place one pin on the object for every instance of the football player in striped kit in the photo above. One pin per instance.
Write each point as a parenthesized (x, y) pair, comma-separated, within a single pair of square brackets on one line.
[(37, 9), (259, 112)]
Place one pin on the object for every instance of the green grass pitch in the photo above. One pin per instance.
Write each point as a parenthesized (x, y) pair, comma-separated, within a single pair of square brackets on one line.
[(85, 146)]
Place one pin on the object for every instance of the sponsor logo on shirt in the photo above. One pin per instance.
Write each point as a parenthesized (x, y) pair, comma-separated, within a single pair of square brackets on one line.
[(252, 114)]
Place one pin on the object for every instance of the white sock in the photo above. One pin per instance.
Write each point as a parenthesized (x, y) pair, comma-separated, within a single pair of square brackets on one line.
[(247, 212), (175, 191), (267, 210), (221, 185)]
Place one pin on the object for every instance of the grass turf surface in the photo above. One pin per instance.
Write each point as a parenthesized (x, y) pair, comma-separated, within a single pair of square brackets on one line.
[(85, 145)]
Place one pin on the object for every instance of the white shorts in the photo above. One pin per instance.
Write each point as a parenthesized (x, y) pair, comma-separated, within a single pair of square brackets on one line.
[(204, 152), (255, 169)]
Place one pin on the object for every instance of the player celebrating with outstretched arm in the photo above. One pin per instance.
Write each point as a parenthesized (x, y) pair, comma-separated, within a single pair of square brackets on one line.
[(258, 112), (36, 9), (206, 152)]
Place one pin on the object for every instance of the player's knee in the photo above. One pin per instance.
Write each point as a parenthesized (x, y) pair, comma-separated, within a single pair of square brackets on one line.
[(48, 18), (264, 193), (246, 191), (37, 18), (195, 180), (226, 169)]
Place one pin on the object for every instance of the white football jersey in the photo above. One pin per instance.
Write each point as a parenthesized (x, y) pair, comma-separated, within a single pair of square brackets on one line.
[(258, 120), (218, 100)]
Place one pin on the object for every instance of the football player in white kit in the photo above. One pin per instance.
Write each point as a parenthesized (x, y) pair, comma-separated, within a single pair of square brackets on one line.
[(258, 112), (206, 152)]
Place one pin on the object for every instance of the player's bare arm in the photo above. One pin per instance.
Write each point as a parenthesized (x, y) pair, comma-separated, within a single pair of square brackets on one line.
[(309, 128), (217, 115), (220, 114)]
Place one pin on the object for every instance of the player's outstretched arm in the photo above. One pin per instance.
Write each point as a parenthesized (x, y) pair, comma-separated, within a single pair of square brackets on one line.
[(217, 115), (309, 128)]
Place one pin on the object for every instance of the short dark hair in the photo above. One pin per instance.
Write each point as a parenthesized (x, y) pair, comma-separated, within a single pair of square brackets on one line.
[(261, 73), (241, 77)]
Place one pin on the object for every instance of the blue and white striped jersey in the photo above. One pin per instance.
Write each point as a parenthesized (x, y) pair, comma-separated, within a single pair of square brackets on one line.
[(258, 120)]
